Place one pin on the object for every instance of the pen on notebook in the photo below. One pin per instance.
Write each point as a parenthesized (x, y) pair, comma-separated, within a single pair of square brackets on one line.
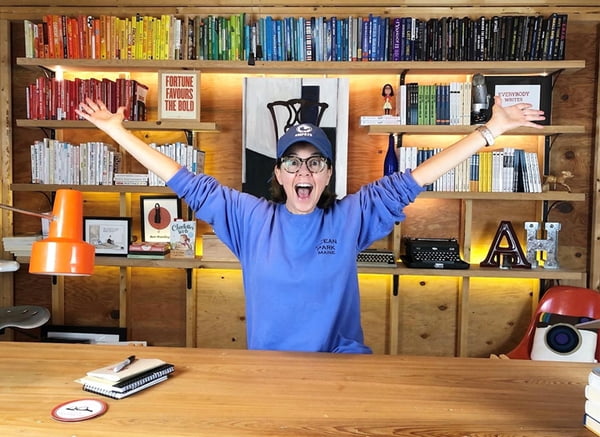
[(126, 362)]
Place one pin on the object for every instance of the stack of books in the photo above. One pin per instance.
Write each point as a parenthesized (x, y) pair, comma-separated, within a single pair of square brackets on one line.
[(591, 419), (20, 245), (145, 250), (131, 179), (140, 374)]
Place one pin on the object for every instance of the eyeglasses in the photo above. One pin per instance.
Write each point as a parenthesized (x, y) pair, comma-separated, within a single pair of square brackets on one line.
[(314, 164)]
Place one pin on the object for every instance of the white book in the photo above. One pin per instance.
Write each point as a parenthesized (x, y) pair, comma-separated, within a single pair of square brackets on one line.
[(592, 408), (529, 171), (466, 113), (535, 173), (497, 170), (137, 367), (29, 32), (592, 393), (369, 120), (508, 169), (402, 151), (591, 423), (402, 104)]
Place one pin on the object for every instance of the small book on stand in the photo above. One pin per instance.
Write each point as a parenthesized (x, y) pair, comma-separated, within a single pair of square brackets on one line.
[(137, 376), (183, 239)]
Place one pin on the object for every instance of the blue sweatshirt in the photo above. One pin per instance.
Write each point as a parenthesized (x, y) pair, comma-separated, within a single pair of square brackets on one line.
[(299, 271)]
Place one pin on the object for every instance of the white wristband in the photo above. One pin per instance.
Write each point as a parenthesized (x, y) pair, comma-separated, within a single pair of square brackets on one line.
[(487, 135)]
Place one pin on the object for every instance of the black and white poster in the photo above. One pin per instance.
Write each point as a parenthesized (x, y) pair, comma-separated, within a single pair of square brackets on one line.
[(259, 132)]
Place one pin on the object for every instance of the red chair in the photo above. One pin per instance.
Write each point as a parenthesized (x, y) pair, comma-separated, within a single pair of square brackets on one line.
[(565, 300)]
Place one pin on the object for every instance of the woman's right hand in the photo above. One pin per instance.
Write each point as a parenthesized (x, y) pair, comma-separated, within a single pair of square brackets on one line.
[(97, 113)]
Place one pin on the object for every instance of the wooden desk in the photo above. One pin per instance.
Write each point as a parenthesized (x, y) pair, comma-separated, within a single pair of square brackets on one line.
[(248, 393)]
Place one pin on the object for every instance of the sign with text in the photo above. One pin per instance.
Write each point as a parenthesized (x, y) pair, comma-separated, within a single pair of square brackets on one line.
[(513, 94), (179, 95), (536, 90)]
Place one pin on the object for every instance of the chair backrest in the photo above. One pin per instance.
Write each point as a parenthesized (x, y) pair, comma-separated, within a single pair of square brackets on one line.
[(564, 300), (297, 111)]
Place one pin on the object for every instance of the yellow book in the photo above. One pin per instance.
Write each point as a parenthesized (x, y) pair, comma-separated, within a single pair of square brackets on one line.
[(164, 36)]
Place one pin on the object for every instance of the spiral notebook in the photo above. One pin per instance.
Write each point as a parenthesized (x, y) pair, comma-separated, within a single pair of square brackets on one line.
[(118, 395)]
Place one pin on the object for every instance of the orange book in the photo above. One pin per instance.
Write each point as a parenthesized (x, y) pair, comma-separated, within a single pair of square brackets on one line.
[(70, 50), (48, 19), (59, 46)]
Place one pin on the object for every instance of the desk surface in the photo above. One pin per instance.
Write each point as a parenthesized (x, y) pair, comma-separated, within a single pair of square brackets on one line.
[(249, 393)]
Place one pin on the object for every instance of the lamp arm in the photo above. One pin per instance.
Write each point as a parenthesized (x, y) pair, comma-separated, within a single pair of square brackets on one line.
[(45, 215)]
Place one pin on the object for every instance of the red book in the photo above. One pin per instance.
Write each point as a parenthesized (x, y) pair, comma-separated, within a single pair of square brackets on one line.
[(142, 247)]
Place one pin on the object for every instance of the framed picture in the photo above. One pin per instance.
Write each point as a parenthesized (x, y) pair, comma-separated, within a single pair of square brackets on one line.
[(179, 95), (82, 334), (158, 212), (109, 235), (536, 90)]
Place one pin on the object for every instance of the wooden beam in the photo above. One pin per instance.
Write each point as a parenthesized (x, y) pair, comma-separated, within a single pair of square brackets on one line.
[(594, 267), (6, 279), (216, 4), (581, 10)]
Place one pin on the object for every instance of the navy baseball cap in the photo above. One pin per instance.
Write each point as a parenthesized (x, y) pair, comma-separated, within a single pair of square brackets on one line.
[(308, 133)]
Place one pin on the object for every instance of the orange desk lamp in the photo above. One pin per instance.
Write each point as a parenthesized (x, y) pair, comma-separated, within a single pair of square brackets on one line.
[(64, 252)]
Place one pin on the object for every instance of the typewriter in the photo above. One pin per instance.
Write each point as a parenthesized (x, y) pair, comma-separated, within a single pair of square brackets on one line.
[(376, 258), (433, 253)]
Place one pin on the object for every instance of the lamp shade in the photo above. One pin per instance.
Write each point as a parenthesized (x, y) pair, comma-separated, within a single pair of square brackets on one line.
[(64, 252)]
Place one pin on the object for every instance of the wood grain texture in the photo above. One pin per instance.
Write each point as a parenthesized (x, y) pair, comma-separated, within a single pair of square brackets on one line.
[(253, 393), (579, 10)]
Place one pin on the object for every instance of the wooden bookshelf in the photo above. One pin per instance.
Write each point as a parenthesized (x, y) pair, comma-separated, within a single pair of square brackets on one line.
[(577, 123), (331, 67), (467, 129), (195, 126)]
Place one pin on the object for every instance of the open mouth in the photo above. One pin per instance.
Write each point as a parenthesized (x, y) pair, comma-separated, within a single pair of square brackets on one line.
[(303, 190)]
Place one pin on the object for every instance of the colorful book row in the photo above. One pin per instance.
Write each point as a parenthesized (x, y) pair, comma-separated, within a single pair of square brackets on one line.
[(236, 37), (438, 104)]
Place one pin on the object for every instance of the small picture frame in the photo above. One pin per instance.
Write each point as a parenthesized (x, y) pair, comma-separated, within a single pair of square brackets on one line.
[(536, 90), (179, 95), (157, 213), (108, 235)]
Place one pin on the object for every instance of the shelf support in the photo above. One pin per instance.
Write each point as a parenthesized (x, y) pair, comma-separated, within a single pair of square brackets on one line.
[(190, 310), (403, 77), (462, 322), (58, 300), (189, 136), (394, 316), (554, 75)]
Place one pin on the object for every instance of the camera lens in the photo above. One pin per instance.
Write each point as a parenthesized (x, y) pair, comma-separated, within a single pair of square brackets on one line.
[(563, 339)]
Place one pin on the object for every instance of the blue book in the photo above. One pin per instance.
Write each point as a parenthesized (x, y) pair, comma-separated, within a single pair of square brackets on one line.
[(268, 46), (374, 41), (277, 41), (396, 35), (366, 25)]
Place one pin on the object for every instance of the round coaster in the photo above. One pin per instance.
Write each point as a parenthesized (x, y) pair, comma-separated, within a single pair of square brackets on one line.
[(79, 409)]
